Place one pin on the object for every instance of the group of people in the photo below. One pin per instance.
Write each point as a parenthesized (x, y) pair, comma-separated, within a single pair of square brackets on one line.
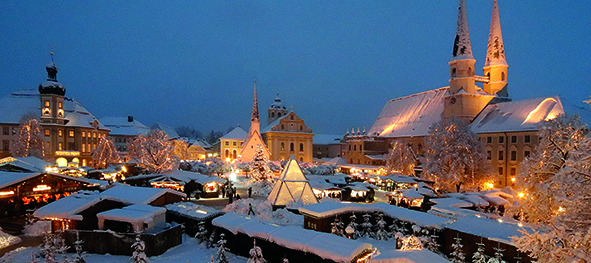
[(232, 194)]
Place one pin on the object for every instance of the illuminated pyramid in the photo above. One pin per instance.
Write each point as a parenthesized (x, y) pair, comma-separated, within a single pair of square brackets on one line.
[(292, 186)]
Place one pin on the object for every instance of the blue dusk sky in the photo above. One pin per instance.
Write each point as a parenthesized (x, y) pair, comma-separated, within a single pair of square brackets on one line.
[(337, 62)]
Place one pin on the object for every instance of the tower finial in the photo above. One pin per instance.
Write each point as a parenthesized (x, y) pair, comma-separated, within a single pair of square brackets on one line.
[(255, 105), (462, 47), (495, 52)]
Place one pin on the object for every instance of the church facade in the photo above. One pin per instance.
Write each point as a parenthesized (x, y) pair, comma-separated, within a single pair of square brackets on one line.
[(508, 128)]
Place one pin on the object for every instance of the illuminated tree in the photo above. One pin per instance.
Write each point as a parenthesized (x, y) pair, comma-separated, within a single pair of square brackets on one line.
[(401, 159), (105, 153), (154, 152), (454, 156), (259, 169), (181, 149), (30, 139), (556, 185)]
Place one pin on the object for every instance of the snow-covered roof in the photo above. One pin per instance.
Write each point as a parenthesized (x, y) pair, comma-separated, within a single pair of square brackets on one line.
[(68, 207), (411, 115), (30, 164), (326, 209), (235, 134), (137, 214), (496, 230), (24, 102), (523, 115), (452, 201), (11, 178), (398, 178), (322, 185), (186, 176), (137, 195), (336, 161), (338, 178), (192, 210), (122, 126), (168, 130), (324, 245), (326, 139)]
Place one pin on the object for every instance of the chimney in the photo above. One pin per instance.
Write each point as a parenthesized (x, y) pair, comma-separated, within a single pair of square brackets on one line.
[(129, 118)]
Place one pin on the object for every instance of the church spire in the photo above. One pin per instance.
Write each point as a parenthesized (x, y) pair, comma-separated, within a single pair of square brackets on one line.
[(495, 53), (462, 47), (255, 105)]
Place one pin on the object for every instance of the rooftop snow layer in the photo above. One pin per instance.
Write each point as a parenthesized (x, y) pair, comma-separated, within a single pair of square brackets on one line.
[(324, 245), (32, 164), (326, 209), (137, 195), (487, 228), (235, 134), (121, 126), (327, 139), (193, 210)]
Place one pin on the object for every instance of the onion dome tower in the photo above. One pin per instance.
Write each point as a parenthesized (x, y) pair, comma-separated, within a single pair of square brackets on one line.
[(276, 110), (52, 96)]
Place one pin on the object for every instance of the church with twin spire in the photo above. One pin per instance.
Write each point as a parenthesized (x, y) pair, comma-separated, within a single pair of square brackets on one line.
[(508, 128)]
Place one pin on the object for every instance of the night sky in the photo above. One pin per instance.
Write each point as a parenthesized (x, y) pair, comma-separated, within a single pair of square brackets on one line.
[(337, 62)]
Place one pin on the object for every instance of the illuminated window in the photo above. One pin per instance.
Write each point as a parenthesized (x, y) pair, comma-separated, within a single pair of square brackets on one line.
[(46, 103), (83, 134), (60, 105), (94, 135), (83, 148), (60, 133), (71, 133), (59, 146), (94, 146), (46, 132)]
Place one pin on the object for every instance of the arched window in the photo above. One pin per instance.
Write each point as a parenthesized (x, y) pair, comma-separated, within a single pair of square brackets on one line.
[(234, 154), (227, 153), (470, 71), (272, 115), (291, 147), (349, 147), (301, 147), (301, 159), (453, 73), (282, 146), (291, 117), (278, 114), (354, 147), (503, 76), (488, 76), (361, 148)]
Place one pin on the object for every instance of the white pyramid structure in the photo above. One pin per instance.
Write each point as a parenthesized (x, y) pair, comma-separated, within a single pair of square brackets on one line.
[(292, 186)]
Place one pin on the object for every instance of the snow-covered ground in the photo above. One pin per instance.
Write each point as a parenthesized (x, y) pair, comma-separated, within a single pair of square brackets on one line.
[(189, 251)]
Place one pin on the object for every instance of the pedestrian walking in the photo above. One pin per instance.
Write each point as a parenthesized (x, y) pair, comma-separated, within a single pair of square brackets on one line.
[(250, 209)]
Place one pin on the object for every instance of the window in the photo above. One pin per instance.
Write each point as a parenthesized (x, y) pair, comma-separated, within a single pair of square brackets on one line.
[(83, 134), (94, 134), (233, 143), (502, 76), (5, 145), (526, 154), (5, 130), (501, 155), (83, 148), (301, 159), (488, 155), (453, 73), (71, 133), (513, 139), (272, 115), (60, 133), (301, 147), (59, 146), (46, 132), (282, 146), (292, 118), (501, 139), (513, 170), (60, 105), (513, 155), (501, 170), (227, 143), (349, 147), (234, 154), (282, 127), (291, 147), (46, 103), (301, 128), (527, 139), (488, 139), (360, 147), (354, 147)]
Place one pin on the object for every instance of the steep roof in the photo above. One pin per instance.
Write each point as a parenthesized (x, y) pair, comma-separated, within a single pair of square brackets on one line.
[(462, 47), (495, 52), (235, 134), (523, 115), (411, 115), (122, 126), (292, 186), (168, 130)]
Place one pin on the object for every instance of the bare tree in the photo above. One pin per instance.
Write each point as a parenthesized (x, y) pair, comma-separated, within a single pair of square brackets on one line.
[(154, 152)]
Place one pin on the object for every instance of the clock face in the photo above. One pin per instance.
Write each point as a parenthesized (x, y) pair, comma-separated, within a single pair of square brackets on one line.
[(452, 101)]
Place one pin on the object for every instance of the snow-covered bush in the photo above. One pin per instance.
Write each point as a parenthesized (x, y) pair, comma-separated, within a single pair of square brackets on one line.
[(7, 240), (256, 254), (37, 228), (138, 255), (264, 210)]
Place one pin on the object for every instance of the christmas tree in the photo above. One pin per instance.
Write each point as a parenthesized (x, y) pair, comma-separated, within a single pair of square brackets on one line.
[(154, 152), (457, 255), (30, 139), (352, 228), (381, 233), (479, 256), (138, 255), (105, 153), (201, 234), (80, 254), (221, 255), (366, 227), (259, 169), (337, 228), (256, 254)]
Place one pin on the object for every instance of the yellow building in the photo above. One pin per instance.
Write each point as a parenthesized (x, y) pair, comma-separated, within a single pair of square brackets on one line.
[(231, 143), (289, 135), (509, 128)]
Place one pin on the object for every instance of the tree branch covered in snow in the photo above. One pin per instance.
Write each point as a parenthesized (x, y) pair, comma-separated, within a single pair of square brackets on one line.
[(105, 153), (154, 152), (454, 156), (30, 139), (401, 159), (557, 193)]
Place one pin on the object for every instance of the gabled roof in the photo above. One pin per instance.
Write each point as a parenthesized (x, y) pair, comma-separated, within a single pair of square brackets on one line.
[(186, 176), (411, 115), (121, 126), (168, 130), (29, 164), (235, 134), (275, 124), (68, 207), (137, 195), (523, 115)]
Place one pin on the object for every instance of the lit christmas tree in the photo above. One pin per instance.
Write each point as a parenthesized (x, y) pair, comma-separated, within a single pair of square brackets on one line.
[(30, 140), (401, 159), (138, 255), (181, 149), (256, 254), (259, 169), (105, 153), (221, 255), (454, 156), (154, 152)]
